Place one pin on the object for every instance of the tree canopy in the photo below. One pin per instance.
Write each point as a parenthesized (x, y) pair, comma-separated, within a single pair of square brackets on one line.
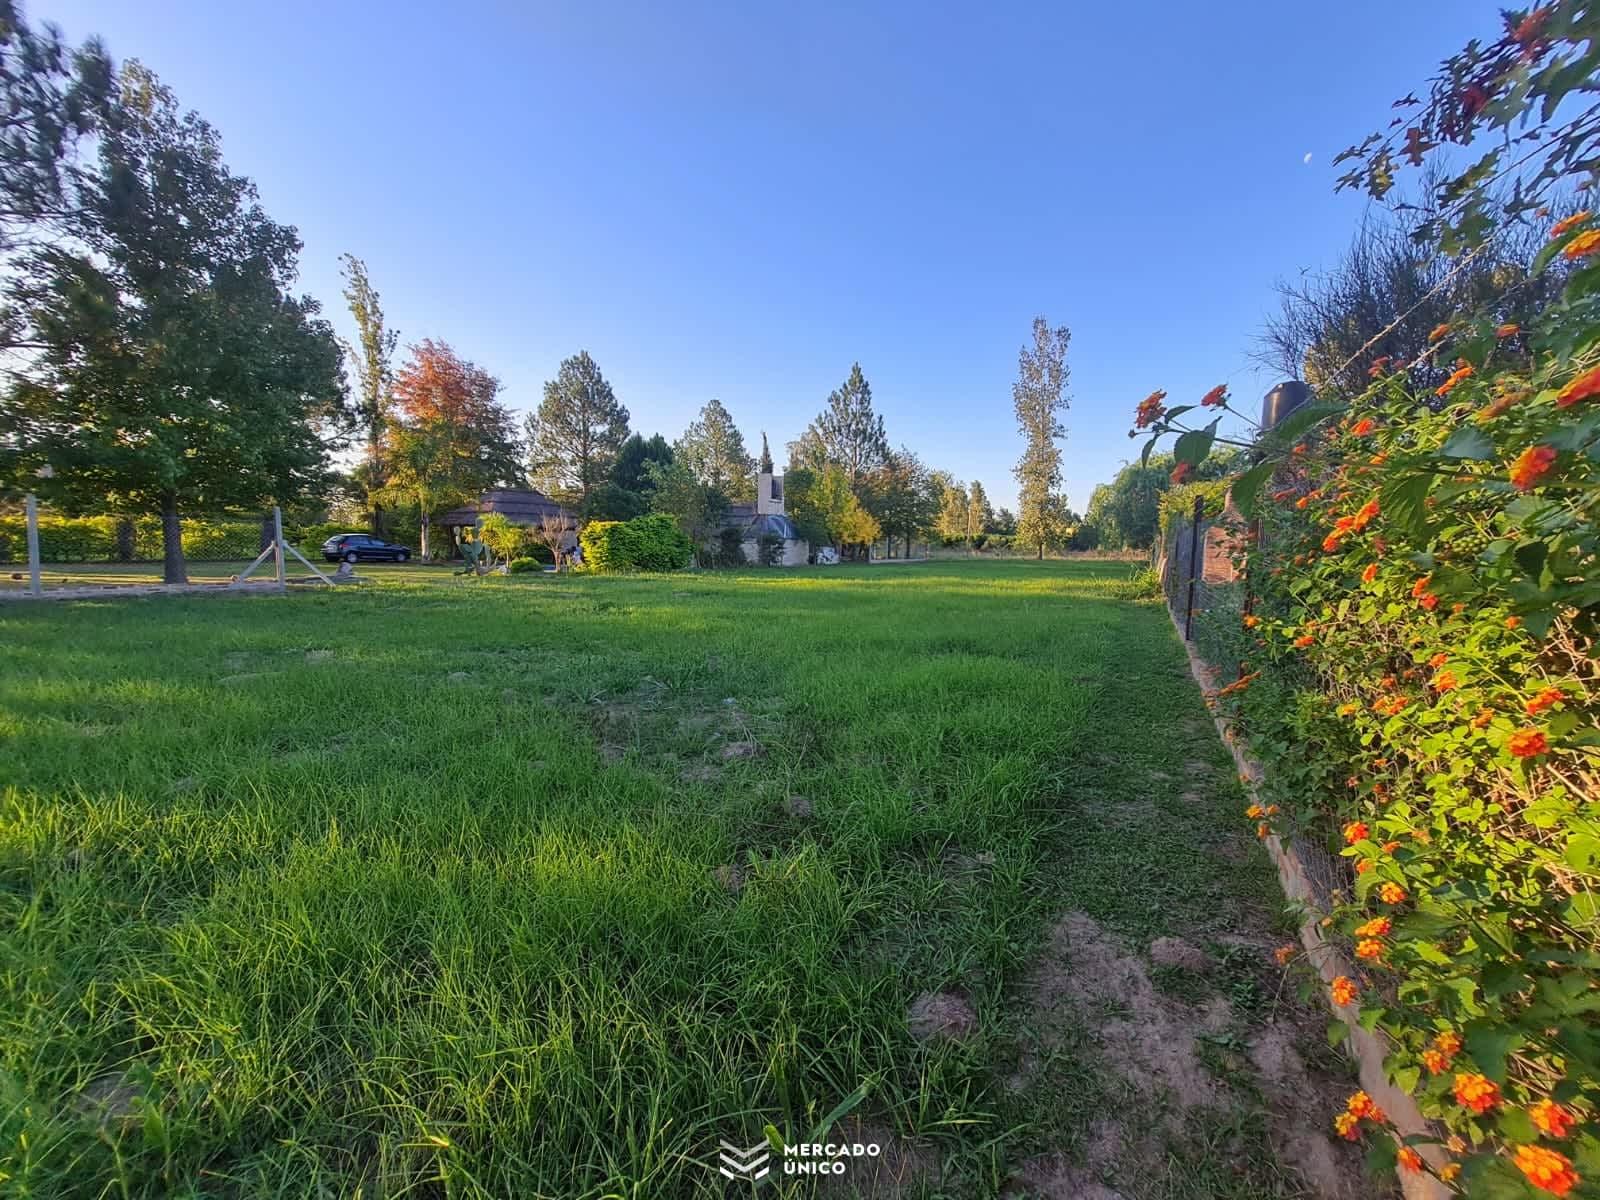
[(1039, 397), (575, 436), (713, 449), (171, 366)]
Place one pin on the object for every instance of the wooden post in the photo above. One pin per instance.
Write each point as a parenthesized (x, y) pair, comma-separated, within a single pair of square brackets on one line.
[(1194, 567), (277, 545), (34, 586)]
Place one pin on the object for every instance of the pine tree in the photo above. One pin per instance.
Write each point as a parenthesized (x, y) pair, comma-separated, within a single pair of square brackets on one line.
[(713, 449), (847, 433), (1040, 397), (577, 433)]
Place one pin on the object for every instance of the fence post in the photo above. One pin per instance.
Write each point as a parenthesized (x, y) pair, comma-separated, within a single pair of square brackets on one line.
[(277, 545), (32, 506), (1194, 568)]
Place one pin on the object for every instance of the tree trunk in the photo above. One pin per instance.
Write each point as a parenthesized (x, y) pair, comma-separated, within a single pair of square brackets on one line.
[(1041, 549), (267, 530), (173, 569), (377, 520), (124, 539), (424, 546)]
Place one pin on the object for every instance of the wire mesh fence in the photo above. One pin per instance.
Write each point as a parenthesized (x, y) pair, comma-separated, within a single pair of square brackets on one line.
[(72, 553), (1202, 565)]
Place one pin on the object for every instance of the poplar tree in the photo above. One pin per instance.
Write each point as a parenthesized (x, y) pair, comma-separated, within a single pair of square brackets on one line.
[(1039, 396), (372, 355)]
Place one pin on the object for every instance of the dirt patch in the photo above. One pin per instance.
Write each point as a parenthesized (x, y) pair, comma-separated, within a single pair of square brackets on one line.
[(1146, 1039), (111, 1099), (798, 807), (941, 1015), (731, 878), (1298, 1104), (1176, 953), (734, 751)]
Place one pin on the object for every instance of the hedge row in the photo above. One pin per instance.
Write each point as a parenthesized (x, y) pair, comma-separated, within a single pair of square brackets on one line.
[(651, 543), (130, 539)]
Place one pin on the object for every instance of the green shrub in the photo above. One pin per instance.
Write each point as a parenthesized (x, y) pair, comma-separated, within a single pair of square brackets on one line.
[(729, 551), (769, 549), (521, 566), (650, 543)]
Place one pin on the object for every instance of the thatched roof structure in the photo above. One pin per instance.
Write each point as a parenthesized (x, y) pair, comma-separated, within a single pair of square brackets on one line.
[(522, 506)]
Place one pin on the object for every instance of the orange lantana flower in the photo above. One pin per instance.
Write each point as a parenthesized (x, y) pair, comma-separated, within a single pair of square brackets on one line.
[(1375, 928), (1509, 329), (1150, 410), (1580, 387), (1356, 831), (1370, 573), (1343, 990), (1445, 681), (1392, 893), (1439, 331), (1436, 1062), (1585, 244), (1532, 465), (1546, 1169), (1476, 1092), (1348, 1126), (1462, 372), (1360, 1105), (1363, 427), (1528, 743), (1551, 1119), (1408, 1159), (1572, 222), (1217, 395), (1304, 640), (1544, 700), (1369, 948)]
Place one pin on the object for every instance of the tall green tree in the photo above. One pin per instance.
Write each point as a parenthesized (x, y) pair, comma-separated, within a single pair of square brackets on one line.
[(448, 426), (372, 355), (847, 433), (576, 435), (1039, 397), (951, 520), (678, 492), (979, 513), (172, 369), (902, 498), (713, 449), (53, 98)]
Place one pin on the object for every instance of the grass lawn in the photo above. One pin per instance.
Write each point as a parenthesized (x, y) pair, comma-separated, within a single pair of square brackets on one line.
[(540, 886)]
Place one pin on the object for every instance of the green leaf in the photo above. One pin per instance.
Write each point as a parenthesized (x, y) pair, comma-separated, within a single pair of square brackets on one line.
[(842, 1109), (1404, 505), (1303, 419), (1468, 441), (1192, 447), (1247, 488)]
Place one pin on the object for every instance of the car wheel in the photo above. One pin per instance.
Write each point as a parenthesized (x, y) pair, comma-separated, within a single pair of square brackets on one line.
[(402, 556), (350, 556)]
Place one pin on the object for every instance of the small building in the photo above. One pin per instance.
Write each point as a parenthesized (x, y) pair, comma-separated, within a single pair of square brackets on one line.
[(521, 506), (765, 518)]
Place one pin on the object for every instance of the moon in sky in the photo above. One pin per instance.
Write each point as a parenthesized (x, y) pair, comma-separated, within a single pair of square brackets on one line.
[(1307, 159)]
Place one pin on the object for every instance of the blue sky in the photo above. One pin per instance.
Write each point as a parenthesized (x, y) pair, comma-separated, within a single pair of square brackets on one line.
[(740, 200)]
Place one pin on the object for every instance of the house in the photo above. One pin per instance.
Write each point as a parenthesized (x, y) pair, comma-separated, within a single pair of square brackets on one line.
[(765, 516), (521, 506)]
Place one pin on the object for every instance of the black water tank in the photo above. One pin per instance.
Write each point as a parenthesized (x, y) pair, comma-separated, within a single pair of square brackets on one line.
[(1281, 401)]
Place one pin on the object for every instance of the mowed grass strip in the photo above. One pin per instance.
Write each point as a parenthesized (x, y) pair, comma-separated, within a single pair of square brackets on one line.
[(539, 887)]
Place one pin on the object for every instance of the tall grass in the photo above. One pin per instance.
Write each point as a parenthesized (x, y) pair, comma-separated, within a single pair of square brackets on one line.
[(415, 889)]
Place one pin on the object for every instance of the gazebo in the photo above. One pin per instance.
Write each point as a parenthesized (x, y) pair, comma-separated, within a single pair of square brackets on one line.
[(521, 506)]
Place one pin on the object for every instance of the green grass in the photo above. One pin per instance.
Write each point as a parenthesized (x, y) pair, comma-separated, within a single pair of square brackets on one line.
[(414, 888)]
